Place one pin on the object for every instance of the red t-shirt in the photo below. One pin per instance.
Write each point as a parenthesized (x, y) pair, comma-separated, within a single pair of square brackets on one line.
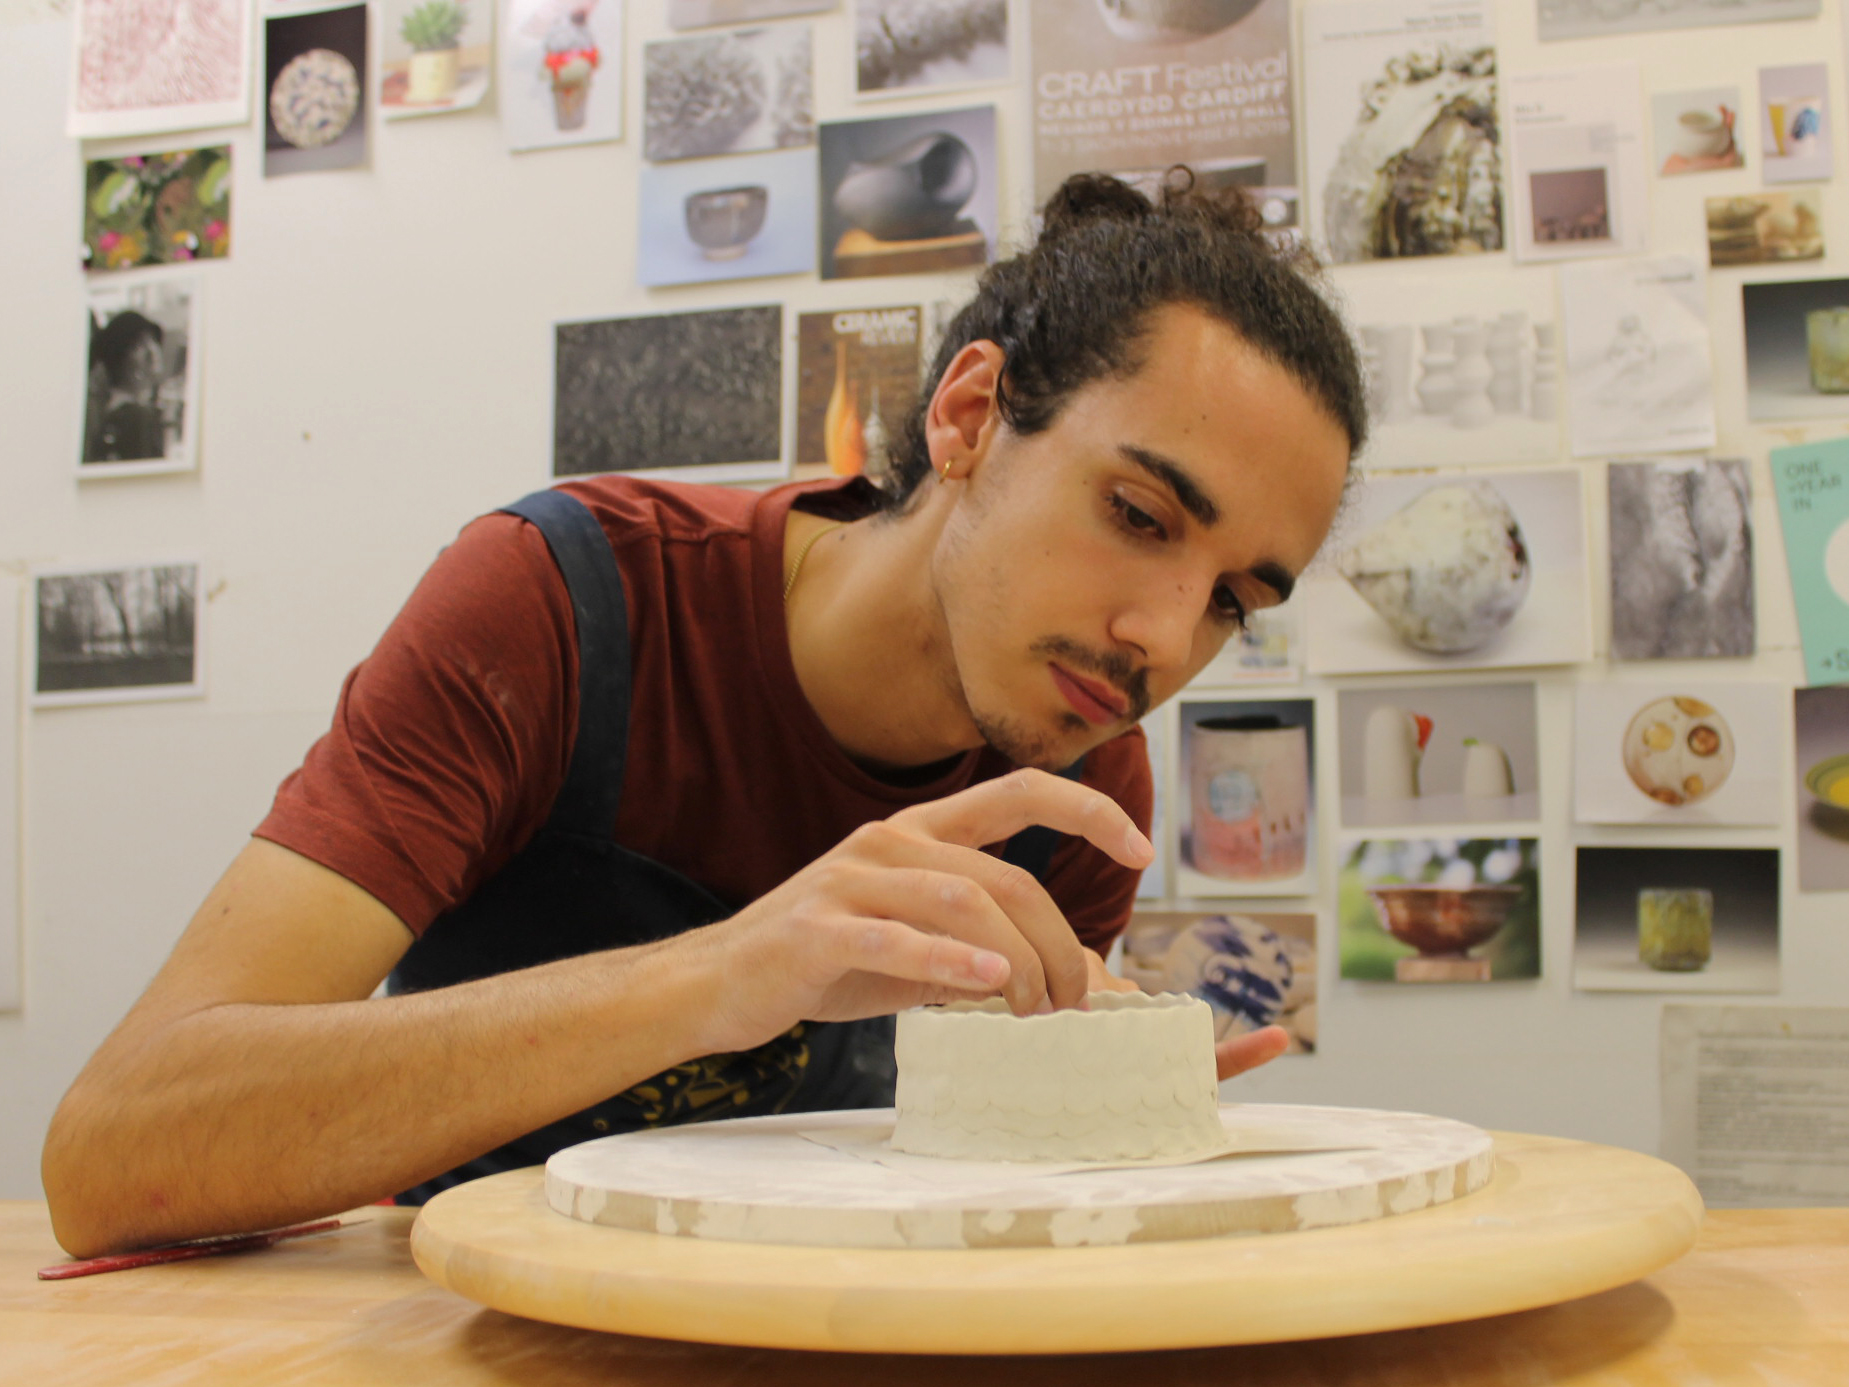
[(451, 739)]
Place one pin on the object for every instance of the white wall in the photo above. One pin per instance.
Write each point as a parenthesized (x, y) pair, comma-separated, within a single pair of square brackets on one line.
[(377, 370)]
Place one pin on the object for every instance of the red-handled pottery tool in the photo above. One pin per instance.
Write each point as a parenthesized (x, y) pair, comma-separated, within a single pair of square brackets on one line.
[(180, 1252)]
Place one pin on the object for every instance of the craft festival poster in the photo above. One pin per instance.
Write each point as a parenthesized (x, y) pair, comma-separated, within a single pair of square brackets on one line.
[(1135, 89)]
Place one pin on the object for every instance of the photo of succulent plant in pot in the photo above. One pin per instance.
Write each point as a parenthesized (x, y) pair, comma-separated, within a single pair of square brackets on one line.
[(434, 31)]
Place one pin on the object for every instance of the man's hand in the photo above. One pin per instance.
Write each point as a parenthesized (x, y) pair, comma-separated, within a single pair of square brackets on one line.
[(908, 911), (1238, 1053)]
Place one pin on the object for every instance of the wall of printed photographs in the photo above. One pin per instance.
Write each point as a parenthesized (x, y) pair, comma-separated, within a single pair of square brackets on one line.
[(1555, 738)]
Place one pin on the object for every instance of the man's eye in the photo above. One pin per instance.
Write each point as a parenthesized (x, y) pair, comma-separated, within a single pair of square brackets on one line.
[(1139, 520), (1226, 604)]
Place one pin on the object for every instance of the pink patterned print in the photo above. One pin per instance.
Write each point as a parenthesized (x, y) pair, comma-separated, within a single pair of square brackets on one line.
[(151, 53)]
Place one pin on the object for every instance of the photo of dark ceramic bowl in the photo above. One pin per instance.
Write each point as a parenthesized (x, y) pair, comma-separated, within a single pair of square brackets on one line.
[(912, 194), (722, 221)]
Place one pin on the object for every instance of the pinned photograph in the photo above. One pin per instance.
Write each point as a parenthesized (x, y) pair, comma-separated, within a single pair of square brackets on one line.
[(1266, 649), (1252, 970), (1585, 19), (1822, 720), (1401, 130), (1438, 754), (736, 218), (906, 46), (729, 93), (1797, 349), (138, 68), (1676, 920), (561, 71), (1794, 110), (1246, 775), (315, 81), (1639, 361), (1695, 131), (908, 194), (1454, 570), (1682, 753), (1462, 365), (1153, 884), (704, 14), (141, 391), (1811, 481), (111, 635), (1578, 181), (1681, 559), (1765, 228), (856, 380), (696, 395), (1440, 910), (1134, 88), (157, 209), (434, 56)]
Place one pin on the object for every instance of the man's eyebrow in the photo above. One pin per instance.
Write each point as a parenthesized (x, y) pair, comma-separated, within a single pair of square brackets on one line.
[(1197, 504), (1175, 477)]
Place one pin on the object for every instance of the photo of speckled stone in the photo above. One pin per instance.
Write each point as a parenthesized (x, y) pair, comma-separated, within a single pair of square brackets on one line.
[(1681, 559), (727, 93), (904, 46), (1401, 129), (699, 391)]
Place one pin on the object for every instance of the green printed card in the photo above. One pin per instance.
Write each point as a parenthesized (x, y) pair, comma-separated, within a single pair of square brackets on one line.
[(1812, 481)]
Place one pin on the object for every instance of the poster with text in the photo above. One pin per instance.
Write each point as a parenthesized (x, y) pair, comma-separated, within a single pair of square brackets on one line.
[(1135, 89), (856, 380), (1402, 151), (1639, 364), (1812, 483), (1580, 183), (138, 68), (728, 93), (561, 72)]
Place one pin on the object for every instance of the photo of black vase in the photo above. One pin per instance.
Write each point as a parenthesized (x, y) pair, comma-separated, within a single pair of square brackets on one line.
[(914, 193)]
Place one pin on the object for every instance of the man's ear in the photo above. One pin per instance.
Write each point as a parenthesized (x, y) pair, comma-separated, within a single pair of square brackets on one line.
[(965, 410)]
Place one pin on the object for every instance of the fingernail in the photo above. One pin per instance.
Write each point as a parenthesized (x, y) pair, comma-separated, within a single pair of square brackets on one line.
[(1139, 846), (989, 968)]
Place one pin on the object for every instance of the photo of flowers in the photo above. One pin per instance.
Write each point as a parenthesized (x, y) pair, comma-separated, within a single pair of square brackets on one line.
[(1432, 910), (157, 209)]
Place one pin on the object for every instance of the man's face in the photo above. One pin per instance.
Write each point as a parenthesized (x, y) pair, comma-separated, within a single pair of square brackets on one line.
[(1090, 570)]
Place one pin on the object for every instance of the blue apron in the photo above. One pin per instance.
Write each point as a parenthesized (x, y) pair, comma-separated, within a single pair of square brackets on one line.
[(573, 890)]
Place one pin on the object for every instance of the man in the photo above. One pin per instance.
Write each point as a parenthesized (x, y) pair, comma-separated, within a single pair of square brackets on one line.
[(801, 712)]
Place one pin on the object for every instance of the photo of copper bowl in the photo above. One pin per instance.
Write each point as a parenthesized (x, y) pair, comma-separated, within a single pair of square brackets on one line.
[(1443, 921), (721, 221)]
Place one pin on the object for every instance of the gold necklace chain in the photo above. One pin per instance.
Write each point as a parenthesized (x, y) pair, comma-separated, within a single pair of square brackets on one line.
[(803, 553)]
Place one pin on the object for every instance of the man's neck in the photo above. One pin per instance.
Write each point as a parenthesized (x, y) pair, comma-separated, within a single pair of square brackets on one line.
[(868, 642)]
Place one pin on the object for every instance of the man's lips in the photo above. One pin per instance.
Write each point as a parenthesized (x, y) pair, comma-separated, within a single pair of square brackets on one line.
[(1096, 703)]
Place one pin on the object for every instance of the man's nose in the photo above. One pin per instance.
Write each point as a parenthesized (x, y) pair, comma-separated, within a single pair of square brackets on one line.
[(1160, 622)]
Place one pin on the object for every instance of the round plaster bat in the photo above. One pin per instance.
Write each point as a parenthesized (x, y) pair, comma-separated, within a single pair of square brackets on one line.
[(314, 98), (1678, 750), (1447, 571)]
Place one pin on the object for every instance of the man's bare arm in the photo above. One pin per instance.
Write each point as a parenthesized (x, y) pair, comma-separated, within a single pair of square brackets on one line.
[(253, 1084)]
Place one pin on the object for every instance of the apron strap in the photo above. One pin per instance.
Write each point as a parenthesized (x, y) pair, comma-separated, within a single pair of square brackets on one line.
[(587, 801)]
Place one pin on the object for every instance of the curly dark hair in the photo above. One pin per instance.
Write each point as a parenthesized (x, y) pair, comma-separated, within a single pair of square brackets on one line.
[(1075, 307)]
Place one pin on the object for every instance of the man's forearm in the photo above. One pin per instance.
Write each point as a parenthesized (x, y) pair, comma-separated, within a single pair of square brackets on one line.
[(240, 1116)]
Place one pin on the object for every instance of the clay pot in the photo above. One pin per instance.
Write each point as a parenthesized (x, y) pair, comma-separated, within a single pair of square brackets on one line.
[(913, 193)]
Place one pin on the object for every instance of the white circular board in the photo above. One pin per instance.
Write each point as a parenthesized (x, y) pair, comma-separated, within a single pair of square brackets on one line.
[(761, 1180)]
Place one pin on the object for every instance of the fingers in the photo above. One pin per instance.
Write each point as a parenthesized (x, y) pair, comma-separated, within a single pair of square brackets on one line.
[(1238, 1053), (972, 895), (1001, 808), (894, 950)]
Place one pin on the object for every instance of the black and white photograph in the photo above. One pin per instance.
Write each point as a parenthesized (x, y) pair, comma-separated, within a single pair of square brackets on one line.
[(1639, 357), (315, 91), (705, 14), (109, 635), (141, 377), (1681, 533), (699, 395), (906, 46), (728, 93), (1586, 19), (911, 194), (1797, 348), (1652, 919), (1821, 728), (1401, 133), (1438, 754)]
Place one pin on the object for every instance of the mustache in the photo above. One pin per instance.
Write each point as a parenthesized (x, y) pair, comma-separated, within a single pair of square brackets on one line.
[(1114, 668)]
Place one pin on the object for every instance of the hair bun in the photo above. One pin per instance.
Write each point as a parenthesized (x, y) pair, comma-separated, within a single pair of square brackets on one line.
[(1093, 197), (1090, 198)]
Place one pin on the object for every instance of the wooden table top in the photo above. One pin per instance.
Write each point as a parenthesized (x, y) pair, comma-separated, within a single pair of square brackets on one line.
[(1763, 1299)]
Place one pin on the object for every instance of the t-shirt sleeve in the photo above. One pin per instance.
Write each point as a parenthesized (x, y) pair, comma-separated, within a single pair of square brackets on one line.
[(1094, 890), (451, 739)]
